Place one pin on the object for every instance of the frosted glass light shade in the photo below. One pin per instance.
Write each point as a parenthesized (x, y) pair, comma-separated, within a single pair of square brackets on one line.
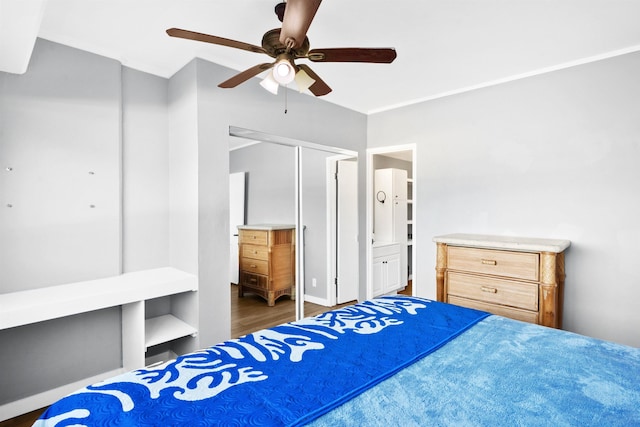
[(270, 84), (303, 80), (283, 72)]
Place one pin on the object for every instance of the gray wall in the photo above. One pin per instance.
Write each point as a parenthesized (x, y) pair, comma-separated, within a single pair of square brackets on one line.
[(549, 156), (270, 182), (60, 133), (314, 209), (71, 113), (58, 122), (145, 170)]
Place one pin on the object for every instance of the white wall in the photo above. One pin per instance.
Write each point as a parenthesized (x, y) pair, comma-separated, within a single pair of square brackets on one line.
[(549, 156)]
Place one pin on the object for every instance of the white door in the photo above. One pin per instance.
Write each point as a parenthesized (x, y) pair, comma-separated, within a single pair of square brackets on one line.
[(347, 256), (236, 218)]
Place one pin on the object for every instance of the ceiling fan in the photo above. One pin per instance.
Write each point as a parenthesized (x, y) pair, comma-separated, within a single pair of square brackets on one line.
[(288, 44)]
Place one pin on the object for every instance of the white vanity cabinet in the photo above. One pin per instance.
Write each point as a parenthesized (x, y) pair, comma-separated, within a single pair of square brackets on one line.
[(387, 268)]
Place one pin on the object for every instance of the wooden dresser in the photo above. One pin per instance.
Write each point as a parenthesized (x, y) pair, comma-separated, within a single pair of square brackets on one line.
[(267, 260), (520, 278)]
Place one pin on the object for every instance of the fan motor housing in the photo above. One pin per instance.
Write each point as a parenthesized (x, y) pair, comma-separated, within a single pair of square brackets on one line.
[(271, 44)]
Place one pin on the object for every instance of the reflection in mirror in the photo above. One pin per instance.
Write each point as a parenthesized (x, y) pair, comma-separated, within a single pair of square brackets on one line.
[(330, 212), (269, 211), (274, 171)]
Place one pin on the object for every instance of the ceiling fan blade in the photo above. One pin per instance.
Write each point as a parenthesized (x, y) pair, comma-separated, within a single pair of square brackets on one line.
[(319, 88), (192, 35), (353, 54), (244, 76), (298, 15)]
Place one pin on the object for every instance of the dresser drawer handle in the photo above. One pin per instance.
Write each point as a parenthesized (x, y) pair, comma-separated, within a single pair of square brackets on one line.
[(253, 280), (488, 289), (253, 266), (489, 262)]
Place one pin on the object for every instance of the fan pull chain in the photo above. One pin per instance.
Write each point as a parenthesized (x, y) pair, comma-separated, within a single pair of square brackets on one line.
[(285, 99)]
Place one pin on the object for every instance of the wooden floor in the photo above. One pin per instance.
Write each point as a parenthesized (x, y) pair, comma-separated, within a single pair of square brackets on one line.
[(251, 312), (248, 314), (26, 420)]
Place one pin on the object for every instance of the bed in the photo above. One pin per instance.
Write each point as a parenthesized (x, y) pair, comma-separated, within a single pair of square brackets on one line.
[(392, 360)]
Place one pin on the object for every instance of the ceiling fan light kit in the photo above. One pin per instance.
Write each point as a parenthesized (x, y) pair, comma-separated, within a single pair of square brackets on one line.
[(270, 84), (303, 81), (283, 45), (283, 70)]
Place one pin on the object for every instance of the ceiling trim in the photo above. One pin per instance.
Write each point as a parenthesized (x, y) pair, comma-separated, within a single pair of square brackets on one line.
[(512, 78)]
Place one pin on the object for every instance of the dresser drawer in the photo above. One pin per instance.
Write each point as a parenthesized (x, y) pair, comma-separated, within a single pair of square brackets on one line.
[(518, 265), (254, 280), (496, 291), (254, 237), (254, 266), (500, 310), (255, 252)]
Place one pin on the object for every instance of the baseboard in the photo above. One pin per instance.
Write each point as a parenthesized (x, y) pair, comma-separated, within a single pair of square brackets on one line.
[(317, 300)]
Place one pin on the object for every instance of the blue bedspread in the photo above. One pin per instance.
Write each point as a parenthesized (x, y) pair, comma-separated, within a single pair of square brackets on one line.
[(503, 372), (287, 375)]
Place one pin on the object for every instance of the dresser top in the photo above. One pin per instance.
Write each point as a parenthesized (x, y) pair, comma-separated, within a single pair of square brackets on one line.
[(266, 227), (504, 242)]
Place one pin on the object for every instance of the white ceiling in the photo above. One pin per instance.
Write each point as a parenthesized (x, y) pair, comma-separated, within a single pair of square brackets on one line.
[(443, 46)]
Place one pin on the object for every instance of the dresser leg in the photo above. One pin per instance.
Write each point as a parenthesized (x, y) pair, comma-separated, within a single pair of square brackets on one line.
[(441, 267), (550, 294), (271, 299)]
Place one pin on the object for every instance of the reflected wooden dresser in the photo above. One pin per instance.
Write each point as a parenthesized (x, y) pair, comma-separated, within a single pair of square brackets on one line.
[(267, 260), (520, 278)]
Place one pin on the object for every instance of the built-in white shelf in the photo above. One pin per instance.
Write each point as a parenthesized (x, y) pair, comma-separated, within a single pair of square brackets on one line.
[(36, 305), (166, 328), (129, 291)]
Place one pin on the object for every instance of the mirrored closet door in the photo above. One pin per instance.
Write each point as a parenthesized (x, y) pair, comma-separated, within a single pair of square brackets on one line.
[(291, 192)]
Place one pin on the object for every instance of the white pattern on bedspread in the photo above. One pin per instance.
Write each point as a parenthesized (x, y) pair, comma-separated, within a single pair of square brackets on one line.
[(276, 376)]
